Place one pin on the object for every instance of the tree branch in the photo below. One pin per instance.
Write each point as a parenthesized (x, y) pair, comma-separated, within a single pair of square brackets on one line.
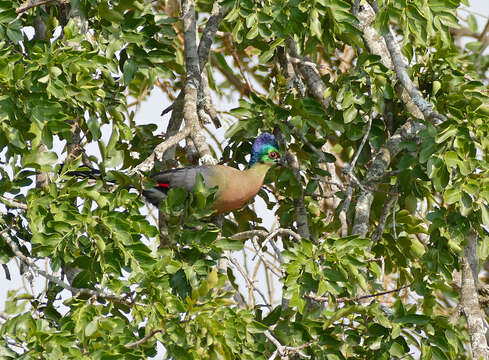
[(401, 72), (377, 170), (77, 291), (13, 204), (268, 238), (470, 301), (391, 200), (249, 283), (285, 351), (349, 170), (217, 15), (376, 45), (159, 150), (192, 82), (242, 88), (342, 299), (144, 339), (314, 83), (33, 4), (303, 138)]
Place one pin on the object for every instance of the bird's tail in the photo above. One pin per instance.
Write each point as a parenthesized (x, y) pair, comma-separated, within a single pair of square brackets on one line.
[(153, 195), (85, 172)]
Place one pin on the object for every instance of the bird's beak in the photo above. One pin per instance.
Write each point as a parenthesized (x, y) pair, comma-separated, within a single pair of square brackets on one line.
[(281, 161)]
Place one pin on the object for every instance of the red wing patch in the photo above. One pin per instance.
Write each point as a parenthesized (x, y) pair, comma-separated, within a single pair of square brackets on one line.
[(163, 185)]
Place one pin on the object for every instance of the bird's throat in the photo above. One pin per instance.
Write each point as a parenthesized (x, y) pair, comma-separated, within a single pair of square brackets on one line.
[(258, 171)]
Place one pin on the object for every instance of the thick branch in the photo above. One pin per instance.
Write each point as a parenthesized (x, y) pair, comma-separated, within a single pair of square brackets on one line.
[(470, 301), (377, 170), (376, 45), (400, 68), (314, 82), (217, 15), (192, 82), (391, 200)]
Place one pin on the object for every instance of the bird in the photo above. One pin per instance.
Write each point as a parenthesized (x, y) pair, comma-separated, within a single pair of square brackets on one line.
[(234, 187)]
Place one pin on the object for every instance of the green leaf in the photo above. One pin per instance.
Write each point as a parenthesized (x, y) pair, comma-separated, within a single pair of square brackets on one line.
[(350, 114), (451, 195), (413, 319), (94, 127), (109, 14), (43, 160), (128, 71), (228, 244), (91, 327), (472, 23), (315, 24), (485, 214), (427, 149), (451, 159), (237, 35), (14, 34), (255, 327), (449, 132)]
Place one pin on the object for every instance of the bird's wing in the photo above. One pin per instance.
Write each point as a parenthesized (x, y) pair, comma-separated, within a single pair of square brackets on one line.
[(183, 177)]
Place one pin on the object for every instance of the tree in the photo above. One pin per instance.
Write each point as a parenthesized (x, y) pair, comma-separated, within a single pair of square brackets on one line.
[(381, 212)]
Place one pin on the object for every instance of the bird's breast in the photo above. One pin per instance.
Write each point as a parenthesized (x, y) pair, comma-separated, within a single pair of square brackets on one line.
[(234, 196), (235, 188)]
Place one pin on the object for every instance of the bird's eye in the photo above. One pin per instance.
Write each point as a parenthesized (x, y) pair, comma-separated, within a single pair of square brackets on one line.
[(273, 155)]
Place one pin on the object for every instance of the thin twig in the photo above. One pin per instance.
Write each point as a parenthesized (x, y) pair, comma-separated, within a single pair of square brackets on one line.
[(303, 138), (343, 299), (77, 291), (377, 235), (167, 110), (485, 42), (144, 339), (266, 263), (159, 150), (32, 5), (249, 283), (248, 234), (269, 239), (362, 144), (12, 203), (283, 350)]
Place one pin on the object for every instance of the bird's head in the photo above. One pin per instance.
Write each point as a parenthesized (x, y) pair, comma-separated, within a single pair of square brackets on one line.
[(265, 150)]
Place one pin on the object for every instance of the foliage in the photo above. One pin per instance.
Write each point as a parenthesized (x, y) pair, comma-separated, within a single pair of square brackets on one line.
[(66, 89)]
